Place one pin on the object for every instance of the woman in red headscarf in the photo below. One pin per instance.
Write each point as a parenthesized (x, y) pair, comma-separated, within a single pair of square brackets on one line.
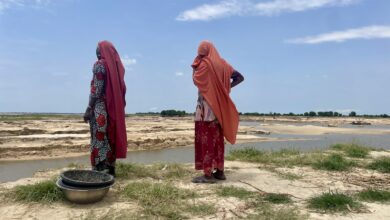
[(106, 109), (216, 115)]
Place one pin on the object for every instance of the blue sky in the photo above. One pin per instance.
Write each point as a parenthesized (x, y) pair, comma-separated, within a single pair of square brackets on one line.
[(296, 55)]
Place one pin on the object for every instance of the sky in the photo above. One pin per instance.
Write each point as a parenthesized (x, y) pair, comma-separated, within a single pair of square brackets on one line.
[(295, 55)]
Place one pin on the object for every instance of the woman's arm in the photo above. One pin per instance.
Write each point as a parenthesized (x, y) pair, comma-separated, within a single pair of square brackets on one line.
[(97, 88), (237, 78)]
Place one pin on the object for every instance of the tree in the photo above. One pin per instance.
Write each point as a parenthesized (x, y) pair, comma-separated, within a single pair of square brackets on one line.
[(172, 113), (352, 114), (312, 114)]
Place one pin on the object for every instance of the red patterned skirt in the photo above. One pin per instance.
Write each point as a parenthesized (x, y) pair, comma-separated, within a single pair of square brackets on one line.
[(209, 146)]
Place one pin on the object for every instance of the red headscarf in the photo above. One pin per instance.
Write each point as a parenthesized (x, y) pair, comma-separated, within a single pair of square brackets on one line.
[(212, 77), (115, 98)]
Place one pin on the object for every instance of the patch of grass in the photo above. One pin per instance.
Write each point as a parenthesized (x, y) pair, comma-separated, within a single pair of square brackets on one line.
[(159, 199), (201, 209), (172, 171), (290, 176), (156, 171), (232, 191), (284, 157), (353, 150), (374, 195), (277, 198), (134, 171), (333, 162), (246, 154), (266, 212), (44, 192), (381, 164), (333, 202)]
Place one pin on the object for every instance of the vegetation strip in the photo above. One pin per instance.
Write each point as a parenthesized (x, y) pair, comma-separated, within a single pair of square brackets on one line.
[(333, 202)]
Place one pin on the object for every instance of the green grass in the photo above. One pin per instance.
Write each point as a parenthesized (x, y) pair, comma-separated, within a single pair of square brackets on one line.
[(156, 171), (353, 150), (267, 212), (237, 192), (172, 171), (381, 164), (159, 199), (374, 195), (200, 209), (284, 157), (262, 204), (277, 198), (134, 171), (333, 202), (333, 162), (44, 192), (241, 193)]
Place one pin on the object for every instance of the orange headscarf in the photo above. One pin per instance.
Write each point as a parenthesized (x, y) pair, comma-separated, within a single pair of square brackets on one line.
[(212, 77)]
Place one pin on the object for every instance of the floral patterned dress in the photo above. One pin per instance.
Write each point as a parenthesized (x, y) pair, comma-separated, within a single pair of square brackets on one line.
[(209, 139), (101, 154)]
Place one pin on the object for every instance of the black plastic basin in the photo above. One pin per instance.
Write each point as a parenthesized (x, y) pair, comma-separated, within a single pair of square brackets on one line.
[(86, 178)]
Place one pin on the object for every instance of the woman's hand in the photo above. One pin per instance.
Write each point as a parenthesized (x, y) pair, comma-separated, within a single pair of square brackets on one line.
[(88, 115), (237, 78)]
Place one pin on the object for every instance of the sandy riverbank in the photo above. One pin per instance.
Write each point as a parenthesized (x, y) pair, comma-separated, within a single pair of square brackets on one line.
[(253, 177)]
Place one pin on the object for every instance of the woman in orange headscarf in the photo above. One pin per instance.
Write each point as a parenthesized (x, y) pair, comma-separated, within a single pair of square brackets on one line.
[(216, 115), (106, 109)]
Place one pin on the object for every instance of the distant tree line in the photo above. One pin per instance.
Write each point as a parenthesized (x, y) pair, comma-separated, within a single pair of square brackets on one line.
[(323, 114), (178, 113), (172, 113), (147, 113), (315, 114)]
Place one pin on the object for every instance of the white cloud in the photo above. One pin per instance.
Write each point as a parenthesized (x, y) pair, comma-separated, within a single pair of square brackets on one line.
[(128, 62), (179, 73), (212, 11), (7, 4), (226, 8), (370, 32), (281, 6), (153, 109)]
